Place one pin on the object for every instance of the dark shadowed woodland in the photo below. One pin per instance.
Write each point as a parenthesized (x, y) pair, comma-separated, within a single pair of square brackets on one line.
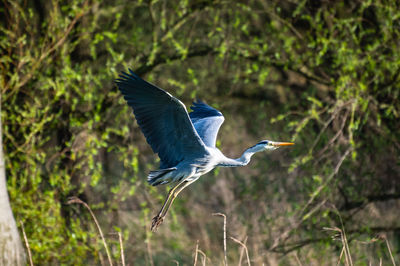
[(322, 74)]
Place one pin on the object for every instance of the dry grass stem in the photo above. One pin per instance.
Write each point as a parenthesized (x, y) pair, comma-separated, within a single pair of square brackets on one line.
[(27, 244), (204, 256), (195, 253), (340, 257), (245, 248), (344, 238), (297, 259), (121, 245), (345, 249), (390, 251), (223, 215), (242, 252), (102, 263), (79, 201)]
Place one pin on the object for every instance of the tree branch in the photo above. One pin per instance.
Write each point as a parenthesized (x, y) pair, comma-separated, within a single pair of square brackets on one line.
[(162, 59), (287, 248), (369, 199)]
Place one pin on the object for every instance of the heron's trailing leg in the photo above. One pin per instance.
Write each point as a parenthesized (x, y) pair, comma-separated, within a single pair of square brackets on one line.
[(175, 194), (159, 218)]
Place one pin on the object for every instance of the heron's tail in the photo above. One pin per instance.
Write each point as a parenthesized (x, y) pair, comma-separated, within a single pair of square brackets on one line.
[(160, 176)]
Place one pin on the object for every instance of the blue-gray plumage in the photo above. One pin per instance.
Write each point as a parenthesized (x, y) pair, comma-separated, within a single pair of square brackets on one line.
[(185, 142), (206, 121)]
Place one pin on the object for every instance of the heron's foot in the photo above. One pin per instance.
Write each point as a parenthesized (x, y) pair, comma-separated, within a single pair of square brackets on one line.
[(156, 222)]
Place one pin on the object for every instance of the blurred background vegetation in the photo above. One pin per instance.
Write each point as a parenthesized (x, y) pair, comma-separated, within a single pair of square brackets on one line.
[(324, 74)]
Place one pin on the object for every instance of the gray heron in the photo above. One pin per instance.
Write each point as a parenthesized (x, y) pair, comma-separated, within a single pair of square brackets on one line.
[(185, 142)]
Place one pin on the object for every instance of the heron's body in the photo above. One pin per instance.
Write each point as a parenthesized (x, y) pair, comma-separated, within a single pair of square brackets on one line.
[(185, 142), (191, 169)]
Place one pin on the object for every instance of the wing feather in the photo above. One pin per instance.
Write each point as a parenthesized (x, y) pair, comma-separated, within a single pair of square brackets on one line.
[(163, 120)]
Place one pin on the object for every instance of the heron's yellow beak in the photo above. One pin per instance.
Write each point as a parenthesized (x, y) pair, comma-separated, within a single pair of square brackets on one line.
[(278, 144)]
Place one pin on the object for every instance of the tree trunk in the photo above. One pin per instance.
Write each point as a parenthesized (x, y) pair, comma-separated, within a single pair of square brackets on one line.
[(11, 250)]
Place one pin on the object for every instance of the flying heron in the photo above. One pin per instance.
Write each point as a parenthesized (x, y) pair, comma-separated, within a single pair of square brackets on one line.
[(185, 142)]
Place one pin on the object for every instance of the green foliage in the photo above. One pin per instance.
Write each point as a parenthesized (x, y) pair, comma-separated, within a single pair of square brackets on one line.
[(323, 74)]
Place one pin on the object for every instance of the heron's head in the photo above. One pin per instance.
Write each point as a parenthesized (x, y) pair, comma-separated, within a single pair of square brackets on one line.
[(270, 145)]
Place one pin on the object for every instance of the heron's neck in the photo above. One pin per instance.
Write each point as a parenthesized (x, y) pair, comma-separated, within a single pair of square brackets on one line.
[(242, 161)]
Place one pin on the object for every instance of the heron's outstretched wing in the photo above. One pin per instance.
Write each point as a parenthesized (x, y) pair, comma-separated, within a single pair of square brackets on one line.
[(163, 119), (207, 121)]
